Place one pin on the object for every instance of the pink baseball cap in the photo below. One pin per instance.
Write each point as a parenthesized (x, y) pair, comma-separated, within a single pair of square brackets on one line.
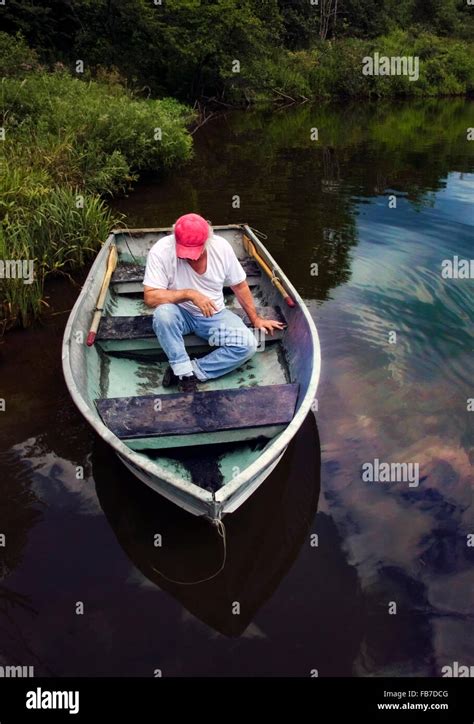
[(191, 232)]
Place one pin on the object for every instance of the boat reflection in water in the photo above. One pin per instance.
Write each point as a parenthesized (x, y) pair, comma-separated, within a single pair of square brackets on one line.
[(263, 538)]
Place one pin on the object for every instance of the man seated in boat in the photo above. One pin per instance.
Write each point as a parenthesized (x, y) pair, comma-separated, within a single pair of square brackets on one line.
[(185, 275)]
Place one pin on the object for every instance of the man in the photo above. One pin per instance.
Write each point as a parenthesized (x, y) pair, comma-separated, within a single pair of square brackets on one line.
[(184, 280)]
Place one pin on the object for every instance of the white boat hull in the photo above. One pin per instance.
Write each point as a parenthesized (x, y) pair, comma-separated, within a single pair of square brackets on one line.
[(190, 503)]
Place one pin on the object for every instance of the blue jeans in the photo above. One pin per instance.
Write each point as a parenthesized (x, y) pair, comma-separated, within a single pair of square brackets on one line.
[(235, 343)]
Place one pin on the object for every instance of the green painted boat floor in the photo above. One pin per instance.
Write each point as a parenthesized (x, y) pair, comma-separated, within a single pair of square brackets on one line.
[(126, 306), (127, 377), (208, 466), (129, 306)]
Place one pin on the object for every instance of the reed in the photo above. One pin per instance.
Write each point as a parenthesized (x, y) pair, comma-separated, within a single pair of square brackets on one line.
[(50, 235)]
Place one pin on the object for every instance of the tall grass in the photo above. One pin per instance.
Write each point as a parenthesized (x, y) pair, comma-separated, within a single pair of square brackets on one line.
[(49, 230), (68, 144)]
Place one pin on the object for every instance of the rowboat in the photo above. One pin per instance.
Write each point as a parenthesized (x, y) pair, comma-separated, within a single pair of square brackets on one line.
[(209, 451)]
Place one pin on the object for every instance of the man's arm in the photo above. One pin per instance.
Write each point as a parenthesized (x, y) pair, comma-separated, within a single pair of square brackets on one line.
[(245, 298), (154, 297)]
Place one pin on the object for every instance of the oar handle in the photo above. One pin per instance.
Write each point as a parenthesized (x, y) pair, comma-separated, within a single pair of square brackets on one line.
[(250, 248), (111, 264), (289, 301)]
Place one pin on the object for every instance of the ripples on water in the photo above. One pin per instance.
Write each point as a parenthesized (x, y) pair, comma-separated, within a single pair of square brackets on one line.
[(405, 402), (305, 607)]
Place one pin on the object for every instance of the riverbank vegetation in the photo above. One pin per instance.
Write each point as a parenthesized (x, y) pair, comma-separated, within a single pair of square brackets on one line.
[(68, 144), (334, 69), (241, 52)]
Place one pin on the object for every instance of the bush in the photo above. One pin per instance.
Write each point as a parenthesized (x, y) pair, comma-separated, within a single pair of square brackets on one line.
[(95, 134), (68, 143), (446, 66), (16, 58), (333, 68)]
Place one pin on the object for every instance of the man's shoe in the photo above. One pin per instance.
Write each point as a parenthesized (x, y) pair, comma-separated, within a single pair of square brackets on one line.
[(169, 378), (188, 384)]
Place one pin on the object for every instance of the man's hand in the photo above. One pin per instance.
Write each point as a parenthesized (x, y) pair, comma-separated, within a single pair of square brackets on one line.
[(268, 325), (244, 296), (206, 305)]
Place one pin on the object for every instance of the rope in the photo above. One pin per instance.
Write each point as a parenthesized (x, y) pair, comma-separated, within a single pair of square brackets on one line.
[(274, 278), (221, 530), (258, 233), (129, 250)]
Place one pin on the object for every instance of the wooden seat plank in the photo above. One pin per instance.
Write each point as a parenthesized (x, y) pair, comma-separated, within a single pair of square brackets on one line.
[(133, 273), (151, 416), (140, 327), (136, 288)]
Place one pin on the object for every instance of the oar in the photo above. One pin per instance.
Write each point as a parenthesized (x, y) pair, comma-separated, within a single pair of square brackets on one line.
[(111, 264), (250, 249)]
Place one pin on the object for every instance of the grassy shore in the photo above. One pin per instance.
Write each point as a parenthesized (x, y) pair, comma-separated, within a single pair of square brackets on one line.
[(69, 144)]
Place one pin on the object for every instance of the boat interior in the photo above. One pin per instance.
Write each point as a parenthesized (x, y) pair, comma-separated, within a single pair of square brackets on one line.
[(239, 413)]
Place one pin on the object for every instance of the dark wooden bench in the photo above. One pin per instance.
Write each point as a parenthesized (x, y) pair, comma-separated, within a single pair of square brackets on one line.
[(140, 327), (128, 278), (201, 417)]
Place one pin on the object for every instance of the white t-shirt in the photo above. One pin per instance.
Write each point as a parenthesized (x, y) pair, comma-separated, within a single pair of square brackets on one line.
[(165, 271)]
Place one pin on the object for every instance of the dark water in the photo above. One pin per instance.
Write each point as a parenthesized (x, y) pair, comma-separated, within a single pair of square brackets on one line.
[(302, 606)]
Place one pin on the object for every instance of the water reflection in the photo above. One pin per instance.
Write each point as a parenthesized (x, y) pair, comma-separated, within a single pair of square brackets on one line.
[(262, 539)]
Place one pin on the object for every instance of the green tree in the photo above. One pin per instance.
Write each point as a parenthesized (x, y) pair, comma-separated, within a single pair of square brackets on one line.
[(440, 16), (300, 23), (48, 26)]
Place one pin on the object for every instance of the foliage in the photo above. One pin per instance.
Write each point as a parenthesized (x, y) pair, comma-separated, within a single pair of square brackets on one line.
[(187, 48), (48, 230), (16, 57), (68, 142), (94, 135), (334, 69)]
